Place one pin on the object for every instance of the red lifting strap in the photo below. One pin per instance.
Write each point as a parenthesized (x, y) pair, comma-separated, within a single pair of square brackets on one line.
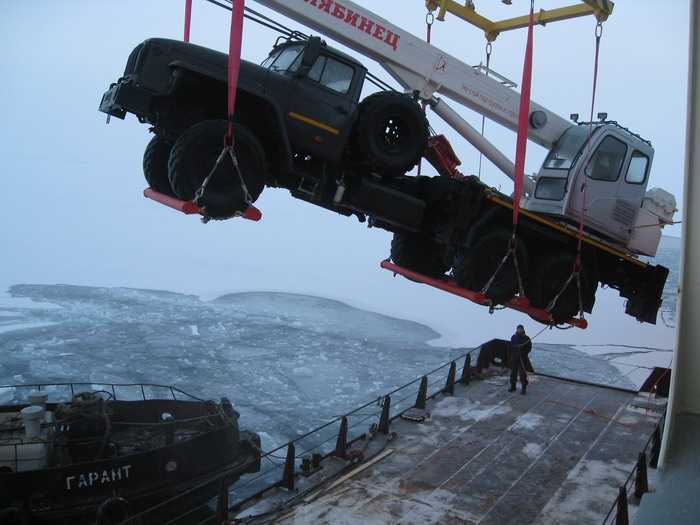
[(188, 19), (523, 118), (234, 61)]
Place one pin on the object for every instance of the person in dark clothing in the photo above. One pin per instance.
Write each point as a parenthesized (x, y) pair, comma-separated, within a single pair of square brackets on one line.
[(520, 346)]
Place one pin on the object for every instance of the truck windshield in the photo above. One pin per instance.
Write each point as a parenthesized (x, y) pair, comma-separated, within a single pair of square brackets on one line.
[(566, 150), (286, 59)]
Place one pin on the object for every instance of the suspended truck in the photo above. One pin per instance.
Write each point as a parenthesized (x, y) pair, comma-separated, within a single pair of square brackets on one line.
[(300, 125)]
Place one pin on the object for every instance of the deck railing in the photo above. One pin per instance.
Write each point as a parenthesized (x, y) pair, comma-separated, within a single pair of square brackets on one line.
[(145, 391), (637, 482), (333, 438)]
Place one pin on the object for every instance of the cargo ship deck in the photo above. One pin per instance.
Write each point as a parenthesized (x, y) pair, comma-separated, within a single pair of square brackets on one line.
[(484, 455)]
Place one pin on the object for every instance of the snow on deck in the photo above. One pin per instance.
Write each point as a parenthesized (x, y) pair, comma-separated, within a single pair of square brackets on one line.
[(556, 455)]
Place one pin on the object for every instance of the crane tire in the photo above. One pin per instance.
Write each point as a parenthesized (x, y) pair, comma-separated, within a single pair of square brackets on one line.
[(155, 165), (391, 133), (420, 253), (553, 270), (194, 155), (474, 266)]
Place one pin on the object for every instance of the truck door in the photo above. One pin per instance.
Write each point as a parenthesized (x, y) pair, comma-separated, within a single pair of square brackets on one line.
[(321, 108), (601, 176)]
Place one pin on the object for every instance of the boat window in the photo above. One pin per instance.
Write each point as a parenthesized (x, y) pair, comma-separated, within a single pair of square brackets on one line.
[(606, 162), (637, 170), (566, 150)]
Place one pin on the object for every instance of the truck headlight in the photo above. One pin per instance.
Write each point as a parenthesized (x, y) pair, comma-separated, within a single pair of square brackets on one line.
[(550, 188)]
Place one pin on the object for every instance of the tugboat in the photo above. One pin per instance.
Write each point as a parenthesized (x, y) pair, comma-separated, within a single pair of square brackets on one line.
[(94, 458)]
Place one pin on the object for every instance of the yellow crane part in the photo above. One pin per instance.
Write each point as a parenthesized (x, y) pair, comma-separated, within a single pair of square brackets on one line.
[(601, 9)]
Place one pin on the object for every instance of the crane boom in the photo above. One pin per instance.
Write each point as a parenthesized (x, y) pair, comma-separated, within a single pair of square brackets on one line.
[(418, 65)]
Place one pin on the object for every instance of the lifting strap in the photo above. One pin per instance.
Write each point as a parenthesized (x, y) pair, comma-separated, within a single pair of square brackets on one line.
[(234, 64), (523, 118), (578, 262), (188, 19), (429, 19), (520, 150), (483, 117)]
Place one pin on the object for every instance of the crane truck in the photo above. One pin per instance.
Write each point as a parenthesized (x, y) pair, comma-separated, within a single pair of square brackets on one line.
[(300, 124)]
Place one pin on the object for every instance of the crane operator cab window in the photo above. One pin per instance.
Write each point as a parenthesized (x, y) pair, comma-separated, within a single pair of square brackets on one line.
[(606, 163), (637, 171)]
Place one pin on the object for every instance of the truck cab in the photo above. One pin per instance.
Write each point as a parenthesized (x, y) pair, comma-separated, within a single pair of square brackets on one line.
[(321, 87), (613, 168)]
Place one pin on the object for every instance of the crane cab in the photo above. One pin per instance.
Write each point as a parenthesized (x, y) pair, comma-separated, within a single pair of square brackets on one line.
[(613, 168)]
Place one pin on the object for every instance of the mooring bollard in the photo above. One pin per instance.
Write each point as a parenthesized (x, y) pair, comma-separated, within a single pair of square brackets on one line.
[(288, 476), (622, 516), (385, 419), (466, 370), (422, 396), (641, 481), (341, 444), (450, 383)]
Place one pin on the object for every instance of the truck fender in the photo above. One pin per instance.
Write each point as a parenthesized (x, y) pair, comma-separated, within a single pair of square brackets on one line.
[(285, 160)]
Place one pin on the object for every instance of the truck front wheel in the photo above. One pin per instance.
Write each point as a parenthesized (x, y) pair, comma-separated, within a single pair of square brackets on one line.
[(194, 155), (391, 133), (420, 253)]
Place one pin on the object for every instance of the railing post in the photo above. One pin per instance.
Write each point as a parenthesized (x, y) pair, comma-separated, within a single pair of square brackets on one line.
[(386, 416), (288, 476), (641, 481), (655, 448), (450, 384), (422, 396), (622, 516), (222, 502), (466, 370), (341, 444)]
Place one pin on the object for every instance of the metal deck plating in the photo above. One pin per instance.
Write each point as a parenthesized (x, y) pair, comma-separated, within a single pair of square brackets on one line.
[(557, 455)]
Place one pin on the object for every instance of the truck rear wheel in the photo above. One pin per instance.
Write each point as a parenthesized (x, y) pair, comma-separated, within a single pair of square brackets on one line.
[(420, 253), (553, 270), (474, 267), (194, 155), (155, 165), (391, 132)]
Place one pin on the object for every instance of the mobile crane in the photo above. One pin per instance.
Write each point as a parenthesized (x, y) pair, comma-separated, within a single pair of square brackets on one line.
[(300, 124)]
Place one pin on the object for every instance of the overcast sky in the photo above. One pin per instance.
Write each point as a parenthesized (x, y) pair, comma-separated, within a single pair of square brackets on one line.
[(72, 209)]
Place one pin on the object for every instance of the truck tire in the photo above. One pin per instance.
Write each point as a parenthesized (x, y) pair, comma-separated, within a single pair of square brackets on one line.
[(391, 133), (553, 270), (474, 266), (155, 165), (194, 155), (420, 253)]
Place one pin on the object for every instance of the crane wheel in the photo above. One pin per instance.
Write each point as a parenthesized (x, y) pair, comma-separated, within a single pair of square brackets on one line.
[(194, 155), (155, 165), (391, 133), (419, 253), (553, 270), (476, 265)]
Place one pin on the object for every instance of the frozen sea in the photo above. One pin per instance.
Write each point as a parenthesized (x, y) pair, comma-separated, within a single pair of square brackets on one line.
[(288, 362)]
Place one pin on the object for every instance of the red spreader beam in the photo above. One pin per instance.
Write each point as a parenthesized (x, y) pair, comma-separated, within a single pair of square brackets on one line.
[(190, 208), (521, 304)]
